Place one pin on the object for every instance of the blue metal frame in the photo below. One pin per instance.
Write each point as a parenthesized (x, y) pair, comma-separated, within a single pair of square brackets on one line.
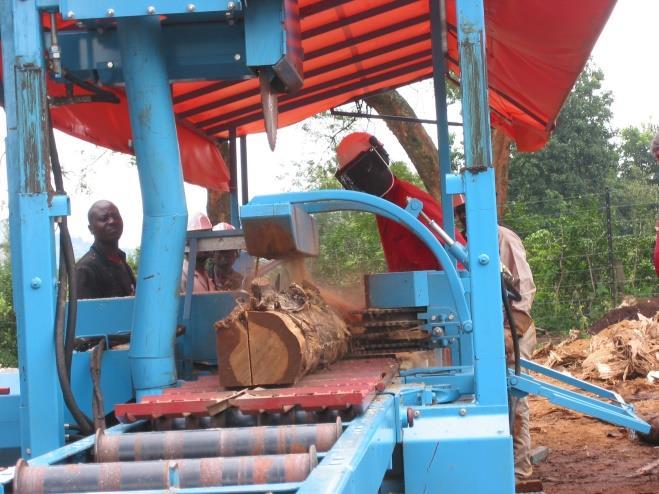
[(345, 200), (30, 225), (163, 199), (91, 10), (615, 411)]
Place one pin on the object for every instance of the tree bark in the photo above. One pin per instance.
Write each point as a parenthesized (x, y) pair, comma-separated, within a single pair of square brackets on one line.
[(412, 136), (280, 338), (501, 158)]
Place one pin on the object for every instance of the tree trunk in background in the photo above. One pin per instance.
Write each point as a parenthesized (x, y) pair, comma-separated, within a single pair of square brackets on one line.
[(422, 151), (218, 204), (412, 136), (501, 158)]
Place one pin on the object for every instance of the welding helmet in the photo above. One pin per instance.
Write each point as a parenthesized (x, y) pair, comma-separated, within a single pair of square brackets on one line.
[(221, 227), (199, 221), (363, 164)]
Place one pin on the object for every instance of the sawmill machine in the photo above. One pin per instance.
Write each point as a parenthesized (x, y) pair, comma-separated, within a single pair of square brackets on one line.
[(165, 80)]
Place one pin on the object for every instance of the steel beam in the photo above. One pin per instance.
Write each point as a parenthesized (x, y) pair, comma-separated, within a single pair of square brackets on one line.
[(30, 225), (163, 200)]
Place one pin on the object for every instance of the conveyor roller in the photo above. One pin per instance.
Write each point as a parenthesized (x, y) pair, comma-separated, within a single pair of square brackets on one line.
[(203, 443), (145, 475)]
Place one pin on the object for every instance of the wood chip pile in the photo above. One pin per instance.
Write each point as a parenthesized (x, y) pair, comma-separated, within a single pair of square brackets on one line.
[(624, 350)]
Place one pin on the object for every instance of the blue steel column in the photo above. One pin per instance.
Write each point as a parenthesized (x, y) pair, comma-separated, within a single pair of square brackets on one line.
[(489, 362), (30, 226), (165, 215), (438, 37)]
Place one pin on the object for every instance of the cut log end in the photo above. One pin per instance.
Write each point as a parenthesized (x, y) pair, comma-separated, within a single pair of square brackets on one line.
[(283, 337)]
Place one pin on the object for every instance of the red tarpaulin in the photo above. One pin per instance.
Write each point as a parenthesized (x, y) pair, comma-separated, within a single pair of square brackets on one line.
[(354, 48)]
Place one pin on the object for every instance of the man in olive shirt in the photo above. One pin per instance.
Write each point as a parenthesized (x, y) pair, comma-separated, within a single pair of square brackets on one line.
[(103, 272)]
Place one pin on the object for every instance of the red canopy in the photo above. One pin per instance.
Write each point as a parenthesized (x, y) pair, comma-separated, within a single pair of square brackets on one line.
[(355, 48)]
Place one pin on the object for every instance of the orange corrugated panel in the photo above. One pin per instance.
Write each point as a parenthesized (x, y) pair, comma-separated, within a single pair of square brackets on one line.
[(354, 48)]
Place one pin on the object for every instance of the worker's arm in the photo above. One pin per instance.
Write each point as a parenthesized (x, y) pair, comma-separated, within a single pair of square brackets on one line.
[(513, 255)]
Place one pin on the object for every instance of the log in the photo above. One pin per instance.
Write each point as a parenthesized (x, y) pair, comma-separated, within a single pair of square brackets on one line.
[(279, 338)]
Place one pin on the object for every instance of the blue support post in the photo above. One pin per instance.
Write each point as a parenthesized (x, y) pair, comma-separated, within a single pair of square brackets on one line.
[(482, 231), (30, 225), (439, 47), (233, 179), (165, 215)]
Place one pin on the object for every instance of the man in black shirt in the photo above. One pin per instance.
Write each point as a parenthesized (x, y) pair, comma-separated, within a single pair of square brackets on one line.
[(103, 272)]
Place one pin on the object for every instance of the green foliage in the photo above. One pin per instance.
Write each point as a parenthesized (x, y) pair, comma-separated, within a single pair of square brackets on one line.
[(567, 243), (636, 162), (8, 353), (580, 158), (133, 259)]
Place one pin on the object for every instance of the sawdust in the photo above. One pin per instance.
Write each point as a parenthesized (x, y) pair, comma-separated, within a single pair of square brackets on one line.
[(624, 350)]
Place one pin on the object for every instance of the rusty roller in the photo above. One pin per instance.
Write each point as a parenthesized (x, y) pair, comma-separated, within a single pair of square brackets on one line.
[(167, 474), (206, 443)]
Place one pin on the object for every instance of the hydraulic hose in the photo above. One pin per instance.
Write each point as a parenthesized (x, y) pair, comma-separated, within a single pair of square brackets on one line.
[(513, 329), (67, 283)]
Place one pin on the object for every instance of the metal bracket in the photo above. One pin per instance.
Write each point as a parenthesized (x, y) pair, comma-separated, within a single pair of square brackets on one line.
[(60, 205), (615, 411)]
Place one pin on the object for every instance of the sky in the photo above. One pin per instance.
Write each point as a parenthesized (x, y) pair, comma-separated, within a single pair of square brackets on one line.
[(626, 51)]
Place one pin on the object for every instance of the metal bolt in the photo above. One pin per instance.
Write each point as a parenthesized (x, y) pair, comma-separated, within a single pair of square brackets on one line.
[(437, 332), (109, 12), (433, 318), (191, 7), (28, 451), (110, 65), (237, 57), (70, 14), (451, 316), (462, 412), (513, 381), (483, 259), (150, 10), (231, 5), (467, 327), (35, 282), (417, 414)]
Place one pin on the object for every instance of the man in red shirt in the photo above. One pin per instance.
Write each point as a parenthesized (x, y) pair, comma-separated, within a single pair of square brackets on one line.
[(364, 166)]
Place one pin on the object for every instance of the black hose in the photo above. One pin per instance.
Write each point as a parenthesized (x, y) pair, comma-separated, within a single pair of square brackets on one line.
[(513, 329), (63, 372), (64, 342), (67, 247)]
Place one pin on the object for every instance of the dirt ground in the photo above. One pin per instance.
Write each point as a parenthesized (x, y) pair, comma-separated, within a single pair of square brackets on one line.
[(587, 456)]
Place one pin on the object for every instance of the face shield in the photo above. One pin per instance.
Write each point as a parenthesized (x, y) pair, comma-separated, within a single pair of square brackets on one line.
[(368, 172)]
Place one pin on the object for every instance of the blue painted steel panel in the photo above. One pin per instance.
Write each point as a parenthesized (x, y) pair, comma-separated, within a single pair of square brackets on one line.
[(114, 316), (468, 454), (279, 230), (359, 459), (91, 9), (163, 200), (10, 426), (30, 224), (116, 383), (192, 52), (265, 40)]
